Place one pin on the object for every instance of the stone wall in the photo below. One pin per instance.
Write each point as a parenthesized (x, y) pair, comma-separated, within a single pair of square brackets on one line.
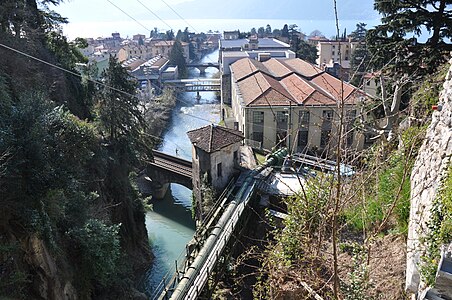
[(429, 168)]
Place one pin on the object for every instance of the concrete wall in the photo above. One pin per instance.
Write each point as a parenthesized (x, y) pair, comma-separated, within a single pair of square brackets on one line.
[(244, 116), (207, 162), (325, 52), (433, 159), (226, 157)]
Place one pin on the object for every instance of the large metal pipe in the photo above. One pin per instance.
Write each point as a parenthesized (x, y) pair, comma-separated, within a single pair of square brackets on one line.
[(198, 272), (213, 246)]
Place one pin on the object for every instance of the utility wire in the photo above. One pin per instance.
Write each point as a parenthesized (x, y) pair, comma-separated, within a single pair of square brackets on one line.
[(179, 15), (148, 9), (89, 79), (129, 15), (65, 70)]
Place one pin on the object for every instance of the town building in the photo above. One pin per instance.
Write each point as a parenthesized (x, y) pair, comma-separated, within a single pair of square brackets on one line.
[(149, 50), (139, 37), (113, 42), (130, 51), (291, 102), (215, 155), (253, 48), (333, 54), (231, 35), (370, 83), (164, 48), (150, 73)]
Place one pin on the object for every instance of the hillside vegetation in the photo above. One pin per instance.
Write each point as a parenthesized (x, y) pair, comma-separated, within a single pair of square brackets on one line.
[(72, 221)]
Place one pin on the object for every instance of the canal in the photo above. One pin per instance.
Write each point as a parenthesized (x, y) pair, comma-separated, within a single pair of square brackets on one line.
[(170, 225)]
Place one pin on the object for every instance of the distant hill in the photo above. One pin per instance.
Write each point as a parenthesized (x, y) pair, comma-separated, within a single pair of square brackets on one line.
[(285, 9)]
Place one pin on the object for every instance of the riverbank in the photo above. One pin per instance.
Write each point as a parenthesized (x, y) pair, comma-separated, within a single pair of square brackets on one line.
[(170, 225), (158, 114)]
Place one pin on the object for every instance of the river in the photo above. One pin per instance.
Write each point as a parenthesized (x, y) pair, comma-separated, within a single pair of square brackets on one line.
[(170, 225)]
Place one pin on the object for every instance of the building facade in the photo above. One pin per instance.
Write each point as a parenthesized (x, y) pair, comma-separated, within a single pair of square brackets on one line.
[(331, 53), (215, 156), (289, 102), (150, 50), (164, 48)]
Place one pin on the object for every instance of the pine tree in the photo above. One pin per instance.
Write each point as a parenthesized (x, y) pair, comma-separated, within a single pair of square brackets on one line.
[(307, 52), (118, 110), (177, 58), (390, 41), (285, 31)]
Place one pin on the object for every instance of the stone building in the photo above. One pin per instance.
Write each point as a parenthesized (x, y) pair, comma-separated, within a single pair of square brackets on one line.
[(216, 154)]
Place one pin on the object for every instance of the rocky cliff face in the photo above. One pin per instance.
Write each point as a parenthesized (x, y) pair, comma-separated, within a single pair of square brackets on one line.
[(48, 281), (433, 159)]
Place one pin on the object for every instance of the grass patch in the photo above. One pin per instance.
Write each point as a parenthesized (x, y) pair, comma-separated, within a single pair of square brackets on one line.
[(260, 158)]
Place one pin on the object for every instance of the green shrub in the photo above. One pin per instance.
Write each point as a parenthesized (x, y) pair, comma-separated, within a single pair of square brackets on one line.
[(99, 249), (439, 230)]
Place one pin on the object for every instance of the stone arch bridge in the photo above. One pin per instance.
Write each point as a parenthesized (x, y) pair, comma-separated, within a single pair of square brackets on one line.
[(163, 170), (203, 66)]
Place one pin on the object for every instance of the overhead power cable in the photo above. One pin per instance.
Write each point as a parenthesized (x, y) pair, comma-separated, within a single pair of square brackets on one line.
[(129, 15), (64, 70), (179, 16), (157, 16), (87, 78)]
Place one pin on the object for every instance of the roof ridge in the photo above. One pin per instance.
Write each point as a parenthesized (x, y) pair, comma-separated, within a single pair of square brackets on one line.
[(290, 100), (321, 90), (308, 95), (230, 130), (211, 136)]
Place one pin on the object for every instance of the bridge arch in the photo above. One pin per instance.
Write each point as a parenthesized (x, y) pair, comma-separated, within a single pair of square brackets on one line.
[(166, 169), (203, 66)]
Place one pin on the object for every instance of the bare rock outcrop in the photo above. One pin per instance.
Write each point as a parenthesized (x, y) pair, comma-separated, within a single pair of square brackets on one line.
[(433, 159)]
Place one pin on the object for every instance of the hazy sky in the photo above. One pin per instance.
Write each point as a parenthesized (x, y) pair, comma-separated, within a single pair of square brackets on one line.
[(93, 18)]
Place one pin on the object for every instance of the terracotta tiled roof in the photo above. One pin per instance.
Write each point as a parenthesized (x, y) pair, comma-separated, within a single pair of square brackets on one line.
[(261, 88), (332, 85), (280, 82), (245, 67), (212, 138), (277, 68), (299, 88), (302, 67), (168, 43)]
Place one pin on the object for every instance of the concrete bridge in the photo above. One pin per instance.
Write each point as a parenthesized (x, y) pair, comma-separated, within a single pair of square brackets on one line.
[(166, 169), (195, 85), (203, 66)]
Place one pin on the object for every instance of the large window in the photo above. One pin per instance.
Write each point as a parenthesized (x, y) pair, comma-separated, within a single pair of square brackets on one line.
[(351, 117), (281, 126), (258, 126), (302, 140), (327, 115), (303, 132), (325, 138), (258, 117), (304, 119), (219, 170)]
